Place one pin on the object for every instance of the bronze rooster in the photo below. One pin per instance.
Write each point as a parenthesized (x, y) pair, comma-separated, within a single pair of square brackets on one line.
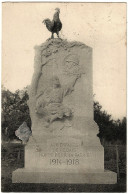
[(55, 25)]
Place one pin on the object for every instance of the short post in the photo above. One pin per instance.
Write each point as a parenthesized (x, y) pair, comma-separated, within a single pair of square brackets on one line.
[(117, 163), (19, 156)]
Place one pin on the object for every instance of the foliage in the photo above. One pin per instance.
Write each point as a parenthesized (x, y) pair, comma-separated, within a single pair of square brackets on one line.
[(109, 129), (15, 111)]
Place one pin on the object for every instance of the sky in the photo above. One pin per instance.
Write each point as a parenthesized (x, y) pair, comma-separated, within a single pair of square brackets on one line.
[(101, 26)]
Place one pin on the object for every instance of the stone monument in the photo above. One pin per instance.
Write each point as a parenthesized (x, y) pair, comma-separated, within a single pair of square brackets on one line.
[(64, 147)]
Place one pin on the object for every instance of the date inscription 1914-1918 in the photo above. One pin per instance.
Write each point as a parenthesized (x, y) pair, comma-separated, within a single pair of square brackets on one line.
[(67, 162)]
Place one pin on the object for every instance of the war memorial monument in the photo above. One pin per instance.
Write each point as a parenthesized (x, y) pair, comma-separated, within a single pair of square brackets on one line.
[(64, 147)]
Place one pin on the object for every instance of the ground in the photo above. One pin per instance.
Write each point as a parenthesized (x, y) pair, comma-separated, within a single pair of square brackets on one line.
[(13, 158)]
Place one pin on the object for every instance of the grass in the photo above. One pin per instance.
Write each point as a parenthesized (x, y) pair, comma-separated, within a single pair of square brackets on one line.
[(13, 158)]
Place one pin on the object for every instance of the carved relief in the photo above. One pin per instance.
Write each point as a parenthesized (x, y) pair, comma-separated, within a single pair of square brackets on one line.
[(50, 102), (53, 80), (71, 65), (52, 46)]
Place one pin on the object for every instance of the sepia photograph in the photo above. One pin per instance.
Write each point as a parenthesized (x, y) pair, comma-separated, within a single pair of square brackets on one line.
[(63, 121)]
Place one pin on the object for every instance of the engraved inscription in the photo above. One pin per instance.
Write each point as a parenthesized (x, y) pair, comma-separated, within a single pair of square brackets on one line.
[(66, 161), (64, 154)]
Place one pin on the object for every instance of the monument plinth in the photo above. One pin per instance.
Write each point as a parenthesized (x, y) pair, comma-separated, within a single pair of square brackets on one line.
[(64, 147)]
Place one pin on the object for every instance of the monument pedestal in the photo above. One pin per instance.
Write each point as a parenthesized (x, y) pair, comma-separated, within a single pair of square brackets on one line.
[(75, 158), (69, 177)]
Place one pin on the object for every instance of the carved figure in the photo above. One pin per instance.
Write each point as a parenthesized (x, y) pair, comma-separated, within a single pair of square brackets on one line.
[(55, 25), (49, 103)]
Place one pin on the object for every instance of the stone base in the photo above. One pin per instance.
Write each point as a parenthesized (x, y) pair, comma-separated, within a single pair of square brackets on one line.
[(88, 177)]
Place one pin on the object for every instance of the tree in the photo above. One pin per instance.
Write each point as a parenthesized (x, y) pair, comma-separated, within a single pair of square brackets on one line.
[(122, 130), (14, 111), (109, 129)]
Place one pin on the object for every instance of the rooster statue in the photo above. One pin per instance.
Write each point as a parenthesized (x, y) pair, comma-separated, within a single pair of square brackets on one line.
[(55, 25)]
